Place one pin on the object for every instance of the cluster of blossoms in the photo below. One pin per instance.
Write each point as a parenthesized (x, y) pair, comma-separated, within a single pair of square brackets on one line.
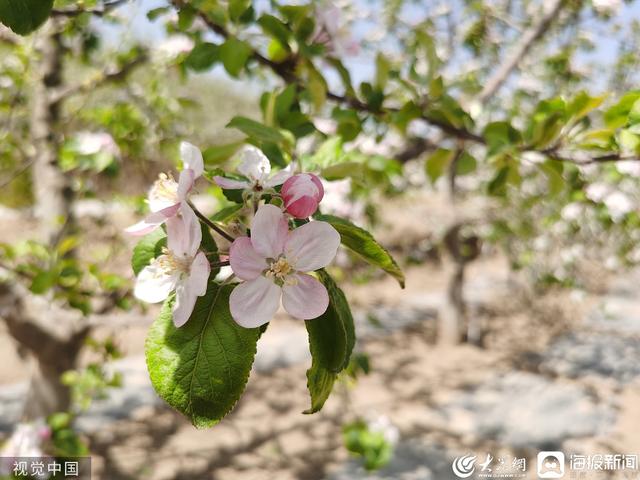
[(27, 440), (272, 263)]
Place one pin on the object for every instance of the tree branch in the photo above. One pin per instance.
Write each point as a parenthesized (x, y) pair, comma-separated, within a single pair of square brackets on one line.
[(107, 76), (520, 49), (107, 8)]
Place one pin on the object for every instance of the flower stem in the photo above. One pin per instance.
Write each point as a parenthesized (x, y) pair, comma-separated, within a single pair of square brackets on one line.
[(209, 223), (220, 264)]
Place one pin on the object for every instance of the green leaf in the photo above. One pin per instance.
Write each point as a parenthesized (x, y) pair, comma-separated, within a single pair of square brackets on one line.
[(331, 341), (273, 27), (24, 16), (553, 171), (202, 57), (466, 164), (363, 243), (201, 368), (226, 213), (217, 154), (234, 54), (437, 163), (148, 248), (320, 384), (501, 136), (256, 130)]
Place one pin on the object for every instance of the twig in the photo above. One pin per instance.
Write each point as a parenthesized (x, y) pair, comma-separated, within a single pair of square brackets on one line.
[(105, 77), (520, 49), (209, 223), (93, 11)]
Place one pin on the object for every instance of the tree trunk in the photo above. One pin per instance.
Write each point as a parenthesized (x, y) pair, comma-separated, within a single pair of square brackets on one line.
[(52, 187), (53, 336)]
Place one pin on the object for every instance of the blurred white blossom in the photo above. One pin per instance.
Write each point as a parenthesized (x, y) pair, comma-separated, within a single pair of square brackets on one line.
[(27, 440), (597, 192), (173, 46), (629, 167), (618, 204), (382, 424), (90, 143), (607, 6)]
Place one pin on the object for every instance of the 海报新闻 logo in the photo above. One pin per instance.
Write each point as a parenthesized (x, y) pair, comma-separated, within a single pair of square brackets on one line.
[(550, 465)]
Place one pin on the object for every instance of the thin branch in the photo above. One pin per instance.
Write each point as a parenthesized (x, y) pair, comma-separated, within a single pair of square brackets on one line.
[(107, 76), (107, 8), (209, 223), (520, 49)]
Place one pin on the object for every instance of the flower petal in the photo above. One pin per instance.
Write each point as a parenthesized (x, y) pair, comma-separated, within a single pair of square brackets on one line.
[(192, 158), (183, 306), (229, 184), (304, 207), (305, 300), (280, 177), (199, 274), (153, 284), (148, 225), (312, 246), (246, 263), (183, 233), (255, 165), (255, 302), (185, 183), (269, 231)]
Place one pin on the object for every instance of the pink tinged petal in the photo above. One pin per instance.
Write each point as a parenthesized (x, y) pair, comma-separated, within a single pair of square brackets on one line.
[(199, 274), (185, 183), (148, 225), (183, 233), (229, 184), (190, 289), (183, 305), (192, 158), (255, 302), (305, 300), (269, 231), (301, 194), (280, 177), (246, 263), (153, 284), (255, 165), (312, 246), (303, 208)]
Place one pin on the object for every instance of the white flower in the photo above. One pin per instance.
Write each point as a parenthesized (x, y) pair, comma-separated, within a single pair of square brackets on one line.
[(618, 205), (181, 267), (255, 166), (26, 441), (596, 192), (90, 143), (607, 6), (572, 212), (174, 46), (629, 167), (382, 424)]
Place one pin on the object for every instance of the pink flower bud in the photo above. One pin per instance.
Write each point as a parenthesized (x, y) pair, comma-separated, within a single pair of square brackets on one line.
[(302, 194)]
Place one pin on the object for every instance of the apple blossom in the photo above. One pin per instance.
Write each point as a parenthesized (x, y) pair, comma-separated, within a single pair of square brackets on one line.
[(26, 441), (166, 195), (272, 263), (255, 166), (180, 267), (301, 194)]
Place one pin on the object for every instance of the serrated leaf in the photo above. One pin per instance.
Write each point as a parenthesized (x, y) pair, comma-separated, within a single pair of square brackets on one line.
[(320, 384), (148, 248), (331, 341), (362, 243), (202, 368), (24, 16)]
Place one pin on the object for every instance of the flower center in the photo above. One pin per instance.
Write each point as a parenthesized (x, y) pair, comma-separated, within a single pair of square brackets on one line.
[(280, 271), (169, 263), (165, 188)]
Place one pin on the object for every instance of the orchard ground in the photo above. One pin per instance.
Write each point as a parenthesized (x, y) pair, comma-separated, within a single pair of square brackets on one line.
[(557, 372)]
